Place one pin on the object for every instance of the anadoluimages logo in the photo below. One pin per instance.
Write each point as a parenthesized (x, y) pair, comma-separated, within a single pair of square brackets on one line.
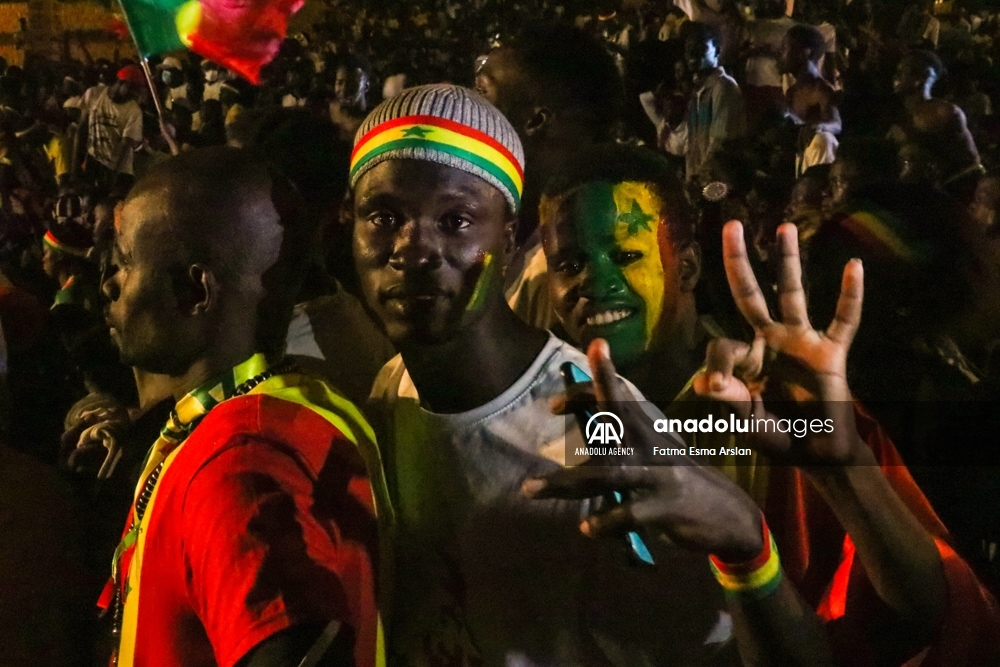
[(600, 429)]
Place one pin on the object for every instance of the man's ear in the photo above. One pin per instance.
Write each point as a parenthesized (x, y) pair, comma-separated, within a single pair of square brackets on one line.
[(538, 122), (201, 291), (689, 266)]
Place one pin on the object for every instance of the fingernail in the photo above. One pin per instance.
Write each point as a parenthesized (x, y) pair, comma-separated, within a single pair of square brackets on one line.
[(858, 260), (717, 382), (585, 528), (605, 350), (531, 487)]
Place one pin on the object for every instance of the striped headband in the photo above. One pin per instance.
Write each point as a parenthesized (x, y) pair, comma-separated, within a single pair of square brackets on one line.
[(446, 141)]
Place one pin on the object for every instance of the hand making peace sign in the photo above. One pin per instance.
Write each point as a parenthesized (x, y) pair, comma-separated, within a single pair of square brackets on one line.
[(809, 366)]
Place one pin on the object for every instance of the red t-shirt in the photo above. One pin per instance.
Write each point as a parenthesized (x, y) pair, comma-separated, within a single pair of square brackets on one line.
[(264, 520)]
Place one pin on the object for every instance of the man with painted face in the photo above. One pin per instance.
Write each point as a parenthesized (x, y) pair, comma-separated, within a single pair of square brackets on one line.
[(619, 240), (937, 126), (716, 109), (483, 574)]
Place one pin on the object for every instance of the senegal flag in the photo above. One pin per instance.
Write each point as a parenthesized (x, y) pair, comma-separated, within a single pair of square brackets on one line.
[(242, 35)]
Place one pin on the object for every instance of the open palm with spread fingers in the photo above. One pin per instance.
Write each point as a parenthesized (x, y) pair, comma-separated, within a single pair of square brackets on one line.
[(807, 367)]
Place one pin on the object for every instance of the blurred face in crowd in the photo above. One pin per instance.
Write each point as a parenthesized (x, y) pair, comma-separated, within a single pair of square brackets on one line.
[(172, 77), (701, 54), (350, 86), (501, 81), (50, 261), (608, 275), (211, 72), (123, 91), (793, 56), (806, 201), (843, 175), (430, 242), (910, 77), (916, 164), (145, 314)]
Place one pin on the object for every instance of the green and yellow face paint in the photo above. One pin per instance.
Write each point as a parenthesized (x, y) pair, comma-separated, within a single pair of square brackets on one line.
[(617, 227), (478, 299)]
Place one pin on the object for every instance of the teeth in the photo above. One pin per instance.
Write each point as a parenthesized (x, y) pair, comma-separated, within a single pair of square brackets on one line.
[(607, 317)]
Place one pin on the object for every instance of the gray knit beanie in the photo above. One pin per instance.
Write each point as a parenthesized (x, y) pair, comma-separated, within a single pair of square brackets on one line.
[(447, 124)]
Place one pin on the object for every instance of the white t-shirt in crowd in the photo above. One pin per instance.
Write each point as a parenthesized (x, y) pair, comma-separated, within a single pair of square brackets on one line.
[(485, 576), (108, 124), (174, 94)]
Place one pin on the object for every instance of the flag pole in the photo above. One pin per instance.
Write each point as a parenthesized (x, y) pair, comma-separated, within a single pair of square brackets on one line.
[(152, 86), (145, 63)]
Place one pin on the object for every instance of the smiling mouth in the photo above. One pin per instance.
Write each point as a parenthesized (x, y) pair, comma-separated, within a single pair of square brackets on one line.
[(606, 317)]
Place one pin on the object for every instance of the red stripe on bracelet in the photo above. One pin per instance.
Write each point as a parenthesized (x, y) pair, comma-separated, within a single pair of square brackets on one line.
[(739, 569)]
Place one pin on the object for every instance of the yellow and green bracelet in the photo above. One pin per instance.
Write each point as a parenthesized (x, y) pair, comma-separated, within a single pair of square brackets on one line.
[(756, 578)]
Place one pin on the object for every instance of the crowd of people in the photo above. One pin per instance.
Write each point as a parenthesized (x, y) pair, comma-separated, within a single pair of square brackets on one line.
[(301, 366)]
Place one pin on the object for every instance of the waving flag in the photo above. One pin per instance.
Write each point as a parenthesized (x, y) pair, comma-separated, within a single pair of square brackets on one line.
[(242, 35)]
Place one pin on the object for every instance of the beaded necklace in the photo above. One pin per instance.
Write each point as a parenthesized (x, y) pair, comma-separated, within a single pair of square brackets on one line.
[(195, 406)]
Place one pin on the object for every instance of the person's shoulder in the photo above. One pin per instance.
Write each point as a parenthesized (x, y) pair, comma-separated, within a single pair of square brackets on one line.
[(387, 381), (302, 416), (941, 112), (726, 84)]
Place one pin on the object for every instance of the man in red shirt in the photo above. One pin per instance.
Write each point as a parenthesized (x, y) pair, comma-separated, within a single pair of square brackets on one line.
[(253, 536)]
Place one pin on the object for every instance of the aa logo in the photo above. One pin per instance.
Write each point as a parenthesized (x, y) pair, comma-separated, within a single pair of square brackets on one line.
[(601, 429)]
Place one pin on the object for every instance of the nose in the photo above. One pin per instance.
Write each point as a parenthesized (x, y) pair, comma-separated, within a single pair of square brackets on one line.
[(109, 283), (416, 248), (603, 281)]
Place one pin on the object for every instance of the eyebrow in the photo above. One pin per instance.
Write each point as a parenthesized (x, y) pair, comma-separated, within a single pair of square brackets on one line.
[(376, 199), (463, 196)]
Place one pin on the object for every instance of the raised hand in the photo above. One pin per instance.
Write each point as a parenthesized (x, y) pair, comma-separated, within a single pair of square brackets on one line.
[(695, 505), (808, 366), (91, 440)]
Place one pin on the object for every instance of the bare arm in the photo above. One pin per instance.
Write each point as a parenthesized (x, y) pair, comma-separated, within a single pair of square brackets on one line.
[(696, 507), (126, 146), (898, 553), (79, 144)]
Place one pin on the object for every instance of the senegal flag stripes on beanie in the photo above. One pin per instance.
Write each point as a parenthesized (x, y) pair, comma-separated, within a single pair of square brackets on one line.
[(446, 124)]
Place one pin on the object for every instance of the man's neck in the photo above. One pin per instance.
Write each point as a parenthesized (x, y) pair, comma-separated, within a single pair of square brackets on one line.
[(916, 97), (702, 76), (477, 366), (808, 72), (207, 368)]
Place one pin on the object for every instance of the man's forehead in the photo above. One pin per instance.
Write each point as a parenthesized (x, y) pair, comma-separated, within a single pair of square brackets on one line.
[(396, 177), (141, 216), (502, 65)]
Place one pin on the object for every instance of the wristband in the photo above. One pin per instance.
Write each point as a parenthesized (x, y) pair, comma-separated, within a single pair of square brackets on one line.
[(756, 578)]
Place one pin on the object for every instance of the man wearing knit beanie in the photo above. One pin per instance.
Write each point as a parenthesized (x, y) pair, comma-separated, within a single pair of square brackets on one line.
[(484, 574)]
